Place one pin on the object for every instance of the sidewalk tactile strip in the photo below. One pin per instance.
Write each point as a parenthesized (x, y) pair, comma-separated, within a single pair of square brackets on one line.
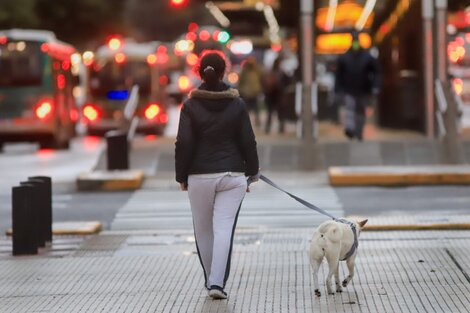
[(104, 245), (395, 272)]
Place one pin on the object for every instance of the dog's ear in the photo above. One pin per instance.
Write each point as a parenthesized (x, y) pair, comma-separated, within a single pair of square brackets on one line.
[(362, 223)]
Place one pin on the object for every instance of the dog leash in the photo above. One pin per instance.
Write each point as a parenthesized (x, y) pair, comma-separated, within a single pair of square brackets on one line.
[(319, 210)]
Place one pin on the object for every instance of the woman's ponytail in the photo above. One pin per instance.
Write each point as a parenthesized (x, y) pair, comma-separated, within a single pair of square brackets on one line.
[(211, 68), (210, 77)]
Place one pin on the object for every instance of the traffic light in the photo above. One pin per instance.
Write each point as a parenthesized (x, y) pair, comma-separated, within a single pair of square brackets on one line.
[(223, 37), (178, 3)]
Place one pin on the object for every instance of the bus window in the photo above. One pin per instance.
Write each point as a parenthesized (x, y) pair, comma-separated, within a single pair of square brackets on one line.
[(20, 64), (140, 72), (108, 77), (120, 77)]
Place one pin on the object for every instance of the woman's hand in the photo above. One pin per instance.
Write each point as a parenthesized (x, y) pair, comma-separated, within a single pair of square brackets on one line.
[(183, 186), (252, 179)]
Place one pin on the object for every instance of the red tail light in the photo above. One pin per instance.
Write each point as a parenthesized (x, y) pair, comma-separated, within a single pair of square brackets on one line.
[(120, 58), (152, 111), (44, 109), (73, 115), (204, 35), (61, 81), (163, 118), (458, 85), (183, 82), (91, 112), (192, 59), (162, 58), (44, 47), (163, 80), (152, 59), (114, 43)]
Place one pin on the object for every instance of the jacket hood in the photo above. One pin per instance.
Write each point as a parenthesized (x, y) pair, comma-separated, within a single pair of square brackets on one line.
[(229, 93), (214, 100)]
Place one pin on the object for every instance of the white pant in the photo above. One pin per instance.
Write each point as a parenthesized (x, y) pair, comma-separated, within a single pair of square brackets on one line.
[(215, 203)]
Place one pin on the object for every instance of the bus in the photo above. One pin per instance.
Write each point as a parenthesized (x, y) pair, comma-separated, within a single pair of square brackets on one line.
[(113, 71), (36, 89)]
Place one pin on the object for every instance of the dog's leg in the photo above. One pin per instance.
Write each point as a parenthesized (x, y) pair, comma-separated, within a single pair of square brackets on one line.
[(315, 267), (333, 263), (350, 263), (337, 281)]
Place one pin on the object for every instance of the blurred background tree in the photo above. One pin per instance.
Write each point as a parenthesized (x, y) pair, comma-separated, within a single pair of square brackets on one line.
[(81, 22), (158, 20), (18, 13), (87, 23)]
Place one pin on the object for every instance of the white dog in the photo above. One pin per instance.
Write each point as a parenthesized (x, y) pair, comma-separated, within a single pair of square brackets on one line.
[(337, 241)]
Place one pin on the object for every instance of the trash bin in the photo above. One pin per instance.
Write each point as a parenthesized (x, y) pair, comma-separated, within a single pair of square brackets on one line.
[(117, 153)]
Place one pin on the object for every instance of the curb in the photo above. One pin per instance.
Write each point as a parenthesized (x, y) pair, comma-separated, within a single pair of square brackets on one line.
[(72, 228), (110, 180), (453, 226), (419, 222), (399, 176)]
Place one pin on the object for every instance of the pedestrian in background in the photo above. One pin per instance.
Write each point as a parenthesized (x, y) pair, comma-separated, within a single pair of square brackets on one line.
[(274, 82), (215, 153), (250, 86), (357, 77)]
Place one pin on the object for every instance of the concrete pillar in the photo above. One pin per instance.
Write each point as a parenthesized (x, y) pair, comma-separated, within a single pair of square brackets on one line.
[(427, 15), (451, 149), (441, 39), (306, 29)]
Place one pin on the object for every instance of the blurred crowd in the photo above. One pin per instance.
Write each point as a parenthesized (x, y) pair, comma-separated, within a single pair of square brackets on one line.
[(264, 88)]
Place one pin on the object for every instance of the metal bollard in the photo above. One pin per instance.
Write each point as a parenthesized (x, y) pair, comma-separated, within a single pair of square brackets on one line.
[(117, 153), (37, 210), (23, 220), (47, 205)]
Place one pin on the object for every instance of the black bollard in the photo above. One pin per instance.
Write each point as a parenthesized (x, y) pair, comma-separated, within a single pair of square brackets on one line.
[(117, 153), (37, 210), (47, 205), (23, 221)]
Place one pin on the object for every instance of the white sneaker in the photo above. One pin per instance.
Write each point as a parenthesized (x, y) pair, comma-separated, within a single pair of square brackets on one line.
[(217, 293)]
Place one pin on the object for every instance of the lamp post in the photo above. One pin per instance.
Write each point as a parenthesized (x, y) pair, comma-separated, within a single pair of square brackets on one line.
[(306, 29), (451, 143), (428, 14)]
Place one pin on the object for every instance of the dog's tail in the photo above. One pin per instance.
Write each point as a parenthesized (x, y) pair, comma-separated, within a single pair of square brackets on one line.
[(331, 232), (334, 234)]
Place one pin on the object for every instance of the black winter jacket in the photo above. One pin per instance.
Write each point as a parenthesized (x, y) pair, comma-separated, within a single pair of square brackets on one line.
[(214, 135)]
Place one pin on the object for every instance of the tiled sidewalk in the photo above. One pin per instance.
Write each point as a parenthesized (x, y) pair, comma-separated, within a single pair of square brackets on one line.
[(160, 272)]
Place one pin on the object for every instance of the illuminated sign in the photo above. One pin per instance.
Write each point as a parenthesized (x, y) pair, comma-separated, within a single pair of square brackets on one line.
[(346, 16), (392, 21), (117, 95), (339, 43)]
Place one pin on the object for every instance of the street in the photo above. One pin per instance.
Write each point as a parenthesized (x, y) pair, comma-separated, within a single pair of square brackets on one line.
[(160, 205), (145, 259), (20, 161)]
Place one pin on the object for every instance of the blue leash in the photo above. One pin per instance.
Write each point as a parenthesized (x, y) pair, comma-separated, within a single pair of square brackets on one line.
[(319, 210)]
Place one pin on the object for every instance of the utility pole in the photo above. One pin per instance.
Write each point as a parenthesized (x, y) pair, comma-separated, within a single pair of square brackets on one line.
[(306, 30), (427, 14), (450, 143)]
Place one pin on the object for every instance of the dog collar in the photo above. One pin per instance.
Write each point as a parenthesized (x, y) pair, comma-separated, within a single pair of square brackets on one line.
[(355, 243)]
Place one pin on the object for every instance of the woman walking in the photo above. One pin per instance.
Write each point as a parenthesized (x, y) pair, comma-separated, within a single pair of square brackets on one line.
[(215, 153)]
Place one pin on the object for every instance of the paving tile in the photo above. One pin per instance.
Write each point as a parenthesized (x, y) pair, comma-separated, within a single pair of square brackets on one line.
[(395, 272)]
